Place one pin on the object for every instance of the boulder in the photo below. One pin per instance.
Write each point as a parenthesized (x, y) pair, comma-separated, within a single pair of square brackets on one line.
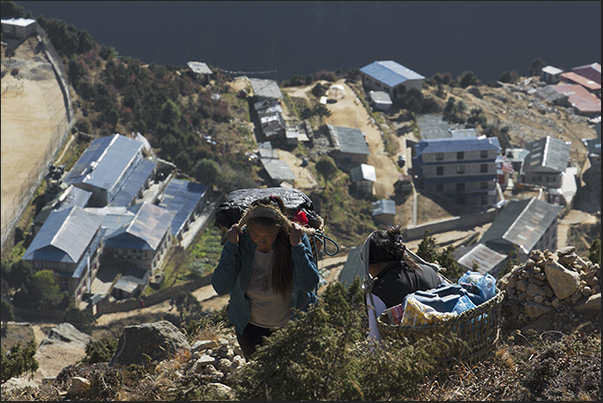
[(562, 281), (156, 341)]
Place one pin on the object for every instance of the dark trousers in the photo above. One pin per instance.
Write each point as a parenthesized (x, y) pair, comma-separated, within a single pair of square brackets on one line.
[(252, 337)]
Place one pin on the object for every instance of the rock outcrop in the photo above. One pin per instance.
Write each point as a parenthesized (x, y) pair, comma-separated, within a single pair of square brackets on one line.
[(561, 283)]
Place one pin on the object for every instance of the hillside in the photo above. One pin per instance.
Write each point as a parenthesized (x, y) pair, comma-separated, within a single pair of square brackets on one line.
[(509, 106)]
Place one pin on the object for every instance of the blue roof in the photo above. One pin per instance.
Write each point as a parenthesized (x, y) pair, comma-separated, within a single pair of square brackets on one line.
[(64, 236), (181, 198), (79, 270), (384, 206), (105, 161), (145, 231), (390, 73), (349, 140), (133, 183), (454, 144)]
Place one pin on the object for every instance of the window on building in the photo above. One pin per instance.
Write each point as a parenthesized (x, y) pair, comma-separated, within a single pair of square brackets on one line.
[(377, 85), (440, 187), (460, 201), (460, 169), (439, 171), (484, 185), (439, 156), (483, 168), (460, 155), (484, 153), (484, 200), (460, 187)]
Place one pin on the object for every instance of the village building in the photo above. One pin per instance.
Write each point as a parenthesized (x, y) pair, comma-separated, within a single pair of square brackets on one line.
[(524, 225), (363, 177), (384, 211), (551, 74), (546, 161), (70, 244), (461, 169), (349, 145), (19, 28), (200, 71), (390, 77)]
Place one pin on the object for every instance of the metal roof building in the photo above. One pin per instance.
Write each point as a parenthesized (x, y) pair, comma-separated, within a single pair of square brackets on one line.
[(65, 236), (265, 88), (547, 154), (390, 72), (348, 140), (455, 144), (133, 185), (199, 67), (104, 166), (278, 170), (363, 172), (487, 260), (433, 126), (71, 196), (182, 198), (353, 267), (524, 223), (144, 232)]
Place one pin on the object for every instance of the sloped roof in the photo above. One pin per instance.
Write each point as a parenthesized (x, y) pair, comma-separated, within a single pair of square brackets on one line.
[(352, 268), (64, 236), (547, 154), (591, 71), (579, 98), (363, 172), (278, 170), (199, 67), (433, 126), (133, 183), (552, 70), (454, 144), (522, 223), (479, 254), (145, 231), (104, 161), (72, 196), (348, 140), (181, 198), (581, 80), (390, 72), (384, 206), (265, 88)]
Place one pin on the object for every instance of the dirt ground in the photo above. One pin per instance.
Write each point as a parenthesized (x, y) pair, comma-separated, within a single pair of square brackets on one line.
[(32, 108)]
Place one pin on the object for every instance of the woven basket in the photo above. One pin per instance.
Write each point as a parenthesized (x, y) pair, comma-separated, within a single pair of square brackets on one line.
[(479, 327)]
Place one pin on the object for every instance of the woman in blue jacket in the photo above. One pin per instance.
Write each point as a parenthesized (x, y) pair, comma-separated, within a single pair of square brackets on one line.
[(268, 268)]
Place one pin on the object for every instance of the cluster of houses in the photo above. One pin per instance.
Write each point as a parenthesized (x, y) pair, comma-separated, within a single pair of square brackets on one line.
[(120, 207), (119, 211)]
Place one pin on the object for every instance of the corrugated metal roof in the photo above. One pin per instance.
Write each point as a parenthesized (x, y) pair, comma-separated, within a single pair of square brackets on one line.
[(145, 231), (363, 172), (433, 126), (552, 70), (579, 98), (547, 154), (72, 196), (348, 140), (352, 268), (581, 80), (278, 170), (266, 151), (454, 144), (265, 88), (133, 183), (384, 206), (390, 72), (80, 268), (485, 258), (64, 236), (199, 67), (522, 222), (460, 133), (105, 161), (181, 198)]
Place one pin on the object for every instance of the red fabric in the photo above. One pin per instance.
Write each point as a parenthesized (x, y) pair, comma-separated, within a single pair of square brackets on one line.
[(301, 218)]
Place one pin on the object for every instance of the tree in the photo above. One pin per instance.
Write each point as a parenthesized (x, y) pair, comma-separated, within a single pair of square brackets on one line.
[(536, 67), (100, 350), (17, 361), (44, 290), (510, 262), (326, 167), (509, 76), (7, 313), (82, 320), (189, 307), (468, 78), (427, 248), (207, 171)]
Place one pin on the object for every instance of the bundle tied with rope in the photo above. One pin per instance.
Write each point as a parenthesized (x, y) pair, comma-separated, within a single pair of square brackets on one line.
[(300, 208)]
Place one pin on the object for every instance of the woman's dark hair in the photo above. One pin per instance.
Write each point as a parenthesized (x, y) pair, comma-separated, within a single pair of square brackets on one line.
[(282, 271), (386, 245)]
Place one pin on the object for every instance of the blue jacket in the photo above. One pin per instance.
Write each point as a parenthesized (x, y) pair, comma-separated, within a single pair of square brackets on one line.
[(234, 270)]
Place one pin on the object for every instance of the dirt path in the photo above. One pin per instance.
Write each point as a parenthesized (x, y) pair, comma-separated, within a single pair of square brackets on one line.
[(32, 110)]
